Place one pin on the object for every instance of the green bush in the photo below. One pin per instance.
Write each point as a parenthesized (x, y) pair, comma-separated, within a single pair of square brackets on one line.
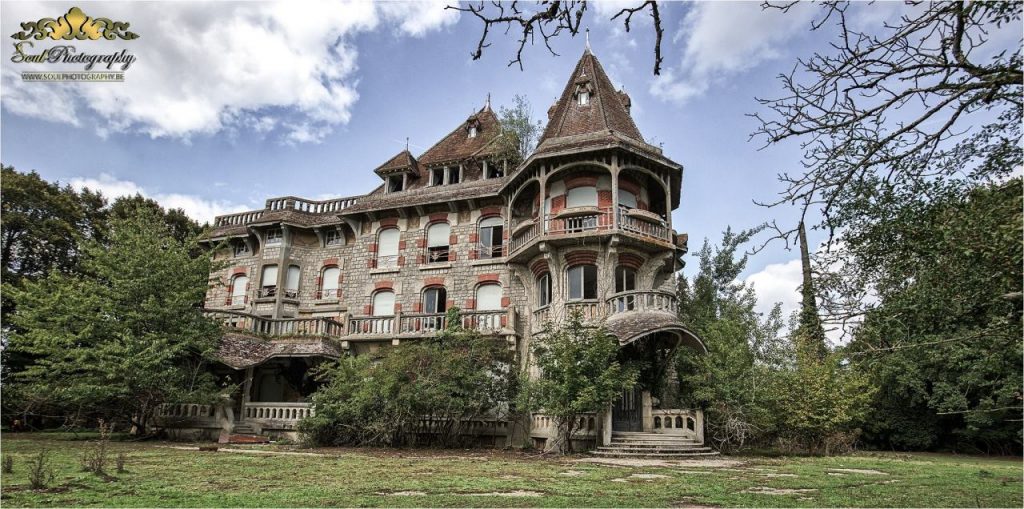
[(422, 392)]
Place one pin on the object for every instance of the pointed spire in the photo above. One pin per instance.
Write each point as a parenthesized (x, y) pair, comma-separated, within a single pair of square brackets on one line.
[(588, 42), (406, 143), (487, 106)]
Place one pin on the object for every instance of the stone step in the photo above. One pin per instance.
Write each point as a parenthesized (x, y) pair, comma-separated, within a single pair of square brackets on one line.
[(607, 454), (655, 447), (638, 442), (237, 438), (656, 436)]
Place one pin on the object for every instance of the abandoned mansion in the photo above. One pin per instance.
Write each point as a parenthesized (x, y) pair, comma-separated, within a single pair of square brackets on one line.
[(582, 224)]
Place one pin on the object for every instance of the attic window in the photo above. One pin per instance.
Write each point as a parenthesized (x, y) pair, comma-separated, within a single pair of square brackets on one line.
[(395, 183), (584, 98), (454, 174), (437, 176), (494, 170), (472, 131)]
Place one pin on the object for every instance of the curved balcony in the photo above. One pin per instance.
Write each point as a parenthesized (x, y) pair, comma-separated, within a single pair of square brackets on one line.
[(263, 326), (642, 224), (596, 310)]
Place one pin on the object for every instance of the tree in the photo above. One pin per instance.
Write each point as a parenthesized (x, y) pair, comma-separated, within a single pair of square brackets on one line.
[(424, 391), (928, 97), (550, 19), (579, 373), (730, 380), (123, 335), (941, 334), (519, 131)]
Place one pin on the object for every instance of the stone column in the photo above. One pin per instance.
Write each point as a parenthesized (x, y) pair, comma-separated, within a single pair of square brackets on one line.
[(606, 426), (646, 412)]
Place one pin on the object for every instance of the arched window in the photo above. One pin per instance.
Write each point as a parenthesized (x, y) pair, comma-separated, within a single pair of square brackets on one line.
[(627, 199), (239, 285), (437, 242), (329, 282), (435, 300), (544, 289), (291, 283), (625, 281), (488, 297), (491, 237), (582, 282), (585, 196), (387, 248), (268, 281), (384, 303)]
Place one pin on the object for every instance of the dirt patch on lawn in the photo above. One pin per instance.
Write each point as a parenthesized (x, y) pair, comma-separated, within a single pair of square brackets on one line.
[(516, 493), (638, 462), (765, 490), (642, 477), (403, 494), (864, 471)]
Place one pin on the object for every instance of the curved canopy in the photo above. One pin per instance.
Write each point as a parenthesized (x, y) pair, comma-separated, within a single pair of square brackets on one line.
[(631, 326)]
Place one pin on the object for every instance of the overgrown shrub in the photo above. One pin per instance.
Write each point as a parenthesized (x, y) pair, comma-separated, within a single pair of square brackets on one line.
[(40, 470), (422, 392), (579, 373), (8, 464), (94, 459), (120, 461)]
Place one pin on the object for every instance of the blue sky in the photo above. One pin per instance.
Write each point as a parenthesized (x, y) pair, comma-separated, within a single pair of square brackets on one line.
[(234, 103)]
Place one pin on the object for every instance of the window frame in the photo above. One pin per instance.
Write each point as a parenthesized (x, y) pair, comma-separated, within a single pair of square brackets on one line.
[(500, 294), (437, 253), (544, 290), (583, 269), (488, 251), (268, 290), (377, 294), (440, 294), (292, 291), (583, 98), (275, 240), (233, 290), (387, 258), (326, 293)]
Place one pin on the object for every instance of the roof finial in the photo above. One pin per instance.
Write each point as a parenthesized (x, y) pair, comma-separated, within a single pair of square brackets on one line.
[(588, 41), (487, 107), (406, 143)]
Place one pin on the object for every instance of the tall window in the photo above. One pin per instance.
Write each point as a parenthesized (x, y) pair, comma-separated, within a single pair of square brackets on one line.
[(438, 235), (274, 237), (291, 282), (384, 303), (544, 289), (625, 279), (581, 197), (584, 98), (491, 230), (329, 283), (627, 199), (454, 174), (434, 300), (582, 282), (239, 285), (488, 297), (472, 132), (387, 248), (268, 281)]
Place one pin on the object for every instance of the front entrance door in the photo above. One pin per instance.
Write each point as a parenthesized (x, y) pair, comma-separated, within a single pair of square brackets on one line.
[(626, 411)]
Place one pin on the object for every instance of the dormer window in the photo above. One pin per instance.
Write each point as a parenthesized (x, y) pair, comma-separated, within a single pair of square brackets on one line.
[(454, 174), (472, 131), (584, 98), (333, 238), (395, 183), (437, 176), (494, 170), (274, 237)]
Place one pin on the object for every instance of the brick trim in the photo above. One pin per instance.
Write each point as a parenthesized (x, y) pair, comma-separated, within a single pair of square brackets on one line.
[(238, 270), (488, 278), (580, 181), (330, 262), (631, 260), (629, 185), (581, 257), (388, 222), (539, 267), (490, 212), (384, 284), (437, 217), (433, 281)]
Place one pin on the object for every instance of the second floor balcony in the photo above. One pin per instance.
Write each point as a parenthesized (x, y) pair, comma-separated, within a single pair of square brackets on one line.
[(597, 310), (579, 221)]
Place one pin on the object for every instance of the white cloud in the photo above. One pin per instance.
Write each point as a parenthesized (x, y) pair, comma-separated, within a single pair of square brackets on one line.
[(195, 207), (204, 67), (777, 282), (721, 39)]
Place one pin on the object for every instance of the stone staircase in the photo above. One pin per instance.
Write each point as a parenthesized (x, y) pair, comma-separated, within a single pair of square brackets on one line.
[(243, 434), (652, 445)]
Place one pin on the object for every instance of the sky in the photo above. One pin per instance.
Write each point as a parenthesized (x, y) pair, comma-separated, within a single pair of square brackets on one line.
[(231, 103)]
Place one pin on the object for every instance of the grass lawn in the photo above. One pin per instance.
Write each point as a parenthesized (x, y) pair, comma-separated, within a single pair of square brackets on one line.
[(165, 474)]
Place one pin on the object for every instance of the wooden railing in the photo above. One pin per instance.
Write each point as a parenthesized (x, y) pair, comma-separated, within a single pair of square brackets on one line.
[(278, 326), (291, 412)]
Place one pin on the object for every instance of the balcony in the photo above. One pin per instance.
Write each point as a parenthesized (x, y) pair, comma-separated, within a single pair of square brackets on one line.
[(428, 324), (595, 310), (259, 325), (583, 220)]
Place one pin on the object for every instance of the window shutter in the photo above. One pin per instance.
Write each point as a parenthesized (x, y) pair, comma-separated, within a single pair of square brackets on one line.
[(437, 235)]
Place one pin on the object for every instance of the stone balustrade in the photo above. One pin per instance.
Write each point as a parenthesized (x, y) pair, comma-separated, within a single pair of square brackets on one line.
[(277, 326), (687, 422), (287, 413), (591, 219), (546, 426), (240, 218)]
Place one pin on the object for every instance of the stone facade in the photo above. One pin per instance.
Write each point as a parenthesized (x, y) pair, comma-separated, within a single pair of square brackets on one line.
[(583, 224)]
